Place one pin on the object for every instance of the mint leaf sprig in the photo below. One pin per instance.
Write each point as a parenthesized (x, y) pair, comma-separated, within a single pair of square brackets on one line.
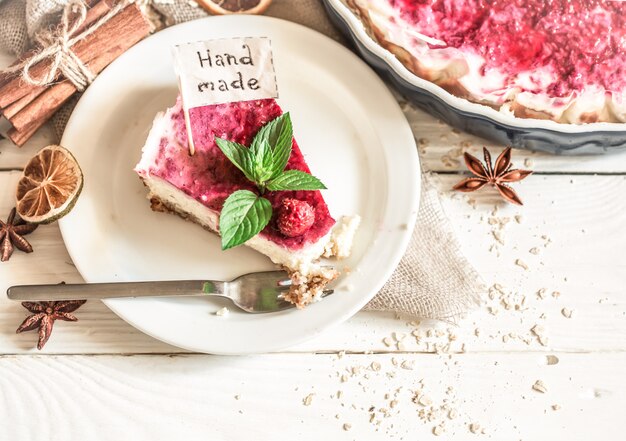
[(246, 213)]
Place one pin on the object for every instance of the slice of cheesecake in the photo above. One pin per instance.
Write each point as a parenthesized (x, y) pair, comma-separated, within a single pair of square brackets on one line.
[(195, 187)]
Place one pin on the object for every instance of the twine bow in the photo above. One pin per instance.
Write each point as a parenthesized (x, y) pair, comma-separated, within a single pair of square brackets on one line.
[(56, 45)]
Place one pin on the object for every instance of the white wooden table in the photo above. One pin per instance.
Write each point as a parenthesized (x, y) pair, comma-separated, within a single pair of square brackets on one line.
[(377, 376)]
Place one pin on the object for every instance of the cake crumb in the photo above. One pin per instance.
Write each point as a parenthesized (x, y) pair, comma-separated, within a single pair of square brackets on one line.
[(567, 313), (552, 360), (521, 264), (438, 430), (539, 332), (423, 400), (308, 399), (408, 365), (539, 386), (474, 428), (498, 237), (556, 407), (398, 336), (534, 251), (388, 341), (541, 293), (307, 286), (223, 312), (347, 426)]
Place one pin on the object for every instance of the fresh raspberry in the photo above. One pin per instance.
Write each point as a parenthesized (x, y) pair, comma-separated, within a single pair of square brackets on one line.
[(295, 217)]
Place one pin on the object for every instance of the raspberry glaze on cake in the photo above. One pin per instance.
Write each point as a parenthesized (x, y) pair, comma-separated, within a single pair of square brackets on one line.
[(583, 41), (209, 177), (559, 59)]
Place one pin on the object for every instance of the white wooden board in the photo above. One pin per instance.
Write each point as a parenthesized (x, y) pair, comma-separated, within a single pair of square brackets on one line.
[(197, 397)]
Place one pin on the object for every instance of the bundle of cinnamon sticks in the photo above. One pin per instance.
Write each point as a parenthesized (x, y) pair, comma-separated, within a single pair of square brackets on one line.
[(27, 107)]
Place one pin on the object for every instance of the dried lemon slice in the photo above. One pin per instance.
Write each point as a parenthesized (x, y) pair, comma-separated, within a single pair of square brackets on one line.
[(222, 7), (49, 187)]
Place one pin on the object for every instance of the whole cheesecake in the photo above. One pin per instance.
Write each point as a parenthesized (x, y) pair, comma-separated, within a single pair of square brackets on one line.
[(563, 60), (195, 187)]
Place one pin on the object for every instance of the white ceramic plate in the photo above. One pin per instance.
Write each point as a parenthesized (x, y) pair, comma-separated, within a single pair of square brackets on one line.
[(348, 125)]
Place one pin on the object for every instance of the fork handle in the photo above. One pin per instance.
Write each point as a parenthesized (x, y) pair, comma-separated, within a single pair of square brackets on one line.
[(88, 291)]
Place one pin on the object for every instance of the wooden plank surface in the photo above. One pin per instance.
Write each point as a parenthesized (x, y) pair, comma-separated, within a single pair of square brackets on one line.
[(311, 397), (555, 312), (566, 220)]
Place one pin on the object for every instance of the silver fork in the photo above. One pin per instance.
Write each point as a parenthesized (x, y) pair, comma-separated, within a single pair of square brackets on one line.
[(254, 292)]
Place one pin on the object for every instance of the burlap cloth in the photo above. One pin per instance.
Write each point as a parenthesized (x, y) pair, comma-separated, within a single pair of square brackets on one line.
[(433, 279)]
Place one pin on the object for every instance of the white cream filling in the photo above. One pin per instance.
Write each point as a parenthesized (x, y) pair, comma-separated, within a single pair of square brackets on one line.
[(442, 63), (297, 260), (555, 107), (491, 89), (160, 128), (591, 100)]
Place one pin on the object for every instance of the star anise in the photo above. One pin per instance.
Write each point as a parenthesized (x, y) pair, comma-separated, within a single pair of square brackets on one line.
[(496, 175), (45, 313), (11, 233)]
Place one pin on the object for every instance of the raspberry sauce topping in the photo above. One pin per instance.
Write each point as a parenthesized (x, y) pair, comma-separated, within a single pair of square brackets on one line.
[(580, 42), (209, 177)]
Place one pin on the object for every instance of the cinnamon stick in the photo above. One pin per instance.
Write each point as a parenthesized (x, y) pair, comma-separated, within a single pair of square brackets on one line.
[(36, 113), (125, 29), (19, 138), (12, 88), (12, 110)]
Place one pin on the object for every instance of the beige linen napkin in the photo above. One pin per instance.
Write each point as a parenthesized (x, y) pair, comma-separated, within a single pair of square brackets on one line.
[(433, 279)]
